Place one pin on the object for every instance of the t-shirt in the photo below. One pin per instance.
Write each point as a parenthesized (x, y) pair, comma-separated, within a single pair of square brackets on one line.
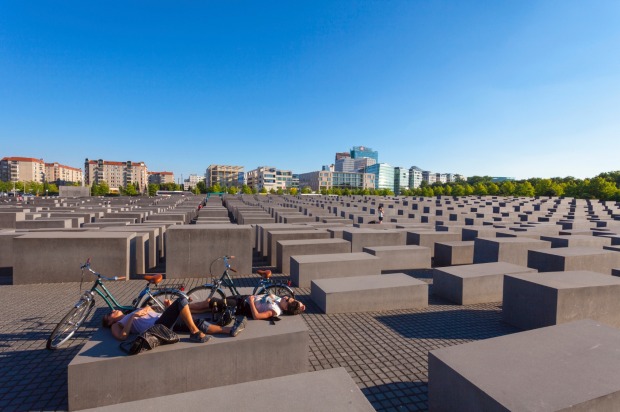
[(264, 303), (142, 323)]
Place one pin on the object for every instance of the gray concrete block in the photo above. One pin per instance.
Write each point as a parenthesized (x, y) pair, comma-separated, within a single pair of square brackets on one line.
[(429, 238), (506, 249), (574, 258), (454, 253), (369, 293), (273, 236), (334, 387), (477, 283), (185, 366), (52, 257), (573, 367), (577, 241), (361, 238), (306, 268), (403, 257), (190, 249), (287, 248), (545, 299)]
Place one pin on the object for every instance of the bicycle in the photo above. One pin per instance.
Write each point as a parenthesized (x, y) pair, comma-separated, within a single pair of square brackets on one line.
[(71, 322), (266, 285)]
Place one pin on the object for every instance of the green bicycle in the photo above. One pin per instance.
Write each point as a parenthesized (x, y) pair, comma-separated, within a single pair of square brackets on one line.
[(76, 316)]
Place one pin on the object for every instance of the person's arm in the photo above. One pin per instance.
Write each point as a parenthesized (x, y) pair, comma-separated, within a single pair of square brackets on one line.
[(259, 315), (120, 331)]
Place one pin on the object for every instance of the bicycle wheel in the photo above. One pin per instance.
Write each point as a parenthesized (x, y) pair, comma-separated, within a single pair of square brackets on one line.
[(278, 290), (202, 293), (159, 296), (69, 324)]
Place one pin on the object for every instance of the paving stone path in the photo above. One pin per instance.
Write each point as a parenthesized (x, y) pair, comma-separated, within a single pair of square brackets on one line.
[(386, 353)]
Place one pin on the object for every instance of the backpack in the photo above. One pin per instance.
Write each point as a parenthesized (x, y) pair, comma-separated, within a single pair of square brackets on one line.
[(154, 336)]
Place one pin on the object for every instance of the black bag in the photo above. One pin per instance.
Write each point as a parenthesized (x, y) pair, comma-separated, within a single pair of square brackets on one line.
[(154, 336)]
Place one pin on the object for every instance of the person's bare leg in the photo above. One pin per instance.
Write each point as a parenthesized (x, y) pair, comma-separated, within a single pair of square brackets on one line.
[(186, 317), (200, 307), (214, 329)]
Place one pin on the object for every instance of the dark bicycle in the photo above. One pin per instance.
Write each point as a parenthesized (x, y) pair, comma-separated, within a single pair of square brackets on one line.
[(148, 296), (216, 288)]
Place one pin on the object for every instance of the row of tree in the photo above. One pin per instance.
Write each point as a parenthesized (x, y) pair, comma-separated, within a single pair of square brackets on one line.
[(605, 186), (32, 188)]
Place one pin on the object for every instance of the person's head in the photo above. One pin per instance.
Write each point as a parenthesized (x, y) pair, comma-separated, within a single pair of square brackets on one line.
[(111, 318), (290, 306)]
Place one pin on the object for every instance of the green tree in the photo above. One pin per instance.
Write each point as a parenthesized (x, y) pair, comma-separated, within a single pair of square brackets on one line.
[(152, 189), (547, 187), (492, 189), (279, 191), (294, 191), (263, 190), (447, 190), (458, 190), (525, 189), (306, 190), (439, 190), (480, 189), (473, 180), (52, 189), (246, 190), (507, 188), (602, 189), (233, 190), (131, 190)]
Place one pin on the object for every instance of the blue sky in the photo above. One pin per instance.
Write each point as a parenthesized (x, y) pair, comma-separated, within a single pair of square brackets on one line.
[(500, 88)]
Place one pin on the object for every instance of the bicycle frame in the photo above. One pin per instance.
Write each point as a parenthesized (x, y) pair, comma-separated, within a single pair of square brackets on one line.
[(109, 299)]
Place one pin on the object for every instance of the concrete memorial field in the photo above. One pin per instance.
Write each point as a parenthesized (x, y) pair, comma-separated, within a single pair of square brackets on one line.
[(395, 312)]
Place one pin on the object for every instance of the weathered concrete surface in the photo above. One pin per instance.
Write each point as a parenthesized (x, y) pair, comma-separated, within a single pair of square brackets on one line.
[(573, 367), (369, 293)]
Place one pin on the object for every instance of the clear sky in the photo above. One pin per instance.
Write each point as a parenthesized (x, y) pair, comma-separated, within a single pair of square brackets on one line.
[(499, 88)]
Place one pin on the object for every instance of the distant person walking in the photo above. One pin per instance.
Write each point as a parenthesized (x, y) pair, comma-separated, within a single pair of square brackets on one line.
[(380, 214)]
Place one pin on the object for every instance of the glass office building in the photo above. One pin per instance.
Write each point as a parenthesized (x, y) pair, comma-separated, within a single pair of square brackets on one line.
[(384, 175), (358, 152)]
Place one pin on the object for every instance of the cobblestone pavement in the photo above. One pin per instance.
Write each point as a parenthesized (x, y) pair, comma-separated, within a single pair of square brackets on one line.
[(386, 353)]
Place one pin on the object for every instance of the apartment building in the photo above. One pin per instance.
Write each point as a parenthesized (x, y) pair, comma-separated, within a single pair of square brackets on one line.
[(326, 179), (22, 169), (61, 174), (192, 181), (415, 177), (269, 177), (441, 177), (224, 175), (429, 177), (159, 178), (116, 174), (384, 175)]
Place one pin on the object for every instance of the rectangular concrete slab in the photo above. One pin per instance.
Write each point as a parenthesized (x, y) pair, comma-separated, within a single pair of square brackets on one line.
[(506, 249), (454, 253), (306, 268), (334, 387), (287, 248), (185, 366), (369, 293), (569, 367), (402, 257), (545, 299), (476, 283), (52, 257), (190, 249), (574, 258)]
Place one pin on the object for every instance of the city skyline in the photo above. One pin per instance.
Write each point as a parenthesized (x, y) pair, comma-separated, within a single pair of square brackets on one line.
[(503, 89)]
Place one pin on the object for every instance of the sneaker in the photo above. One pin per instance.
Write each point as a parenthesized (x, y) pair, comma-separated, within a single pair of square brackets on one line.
[(238, 326)]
